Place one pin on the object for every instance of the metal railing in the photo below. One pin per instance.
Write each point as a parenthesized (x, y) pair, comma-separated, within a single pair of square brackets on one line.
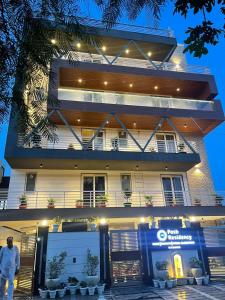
[(85, 199), (3, 198), (69, 143), (135, 100), (214, 236), (126, 27), (141, 63)]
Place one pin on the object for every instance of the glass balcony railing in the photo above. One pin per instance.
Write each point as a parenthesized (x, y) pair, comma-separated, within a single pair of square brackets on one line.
[(135, 100)]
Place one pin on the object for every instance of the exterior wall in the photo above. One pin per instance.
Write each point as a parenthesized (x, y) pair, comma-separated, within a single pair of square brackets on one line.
[(76, 245)]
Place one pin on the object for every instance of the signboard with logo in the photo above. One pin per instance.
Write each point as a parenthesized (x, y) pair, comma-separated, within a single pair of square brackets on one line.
[(167, 239)]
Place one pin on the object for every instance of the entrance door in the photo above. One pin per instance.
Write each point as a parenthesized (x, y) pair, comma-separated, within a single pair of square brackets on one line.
[(166, 143), (93, 186), (178, 266), (173, 190)]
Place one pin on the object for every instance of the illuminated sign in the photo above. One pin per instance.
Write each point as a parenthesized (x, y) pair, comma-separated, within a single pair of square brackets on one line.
[(171, 239)]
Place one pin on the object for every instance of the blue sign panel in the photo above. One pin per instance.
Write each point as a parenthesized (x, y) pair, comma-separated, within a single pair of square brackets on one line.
[(166, 239)]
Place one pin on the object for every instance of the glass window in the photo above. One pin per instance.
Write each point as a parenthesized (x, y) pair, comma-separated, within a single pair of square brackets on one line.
[(30, 182), (126, 182)]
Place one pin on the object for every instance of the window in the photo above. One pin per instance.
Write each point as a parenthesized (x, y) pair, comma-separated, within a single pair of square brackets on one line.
[(30, 182), (122, 139), (93, 187), (166, 143), (97, 143), (173, 190), (126, 182)]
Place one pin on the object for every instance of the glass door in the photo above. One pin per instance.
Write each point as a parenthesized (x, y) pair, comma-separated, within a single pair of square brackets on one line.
[(173, 190), (166, 143), (93, 188), (97, 143)]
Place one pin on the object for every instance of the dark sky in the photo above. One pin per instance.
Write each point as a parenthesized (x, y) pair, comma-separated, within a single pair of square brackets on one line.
[(215, 60)]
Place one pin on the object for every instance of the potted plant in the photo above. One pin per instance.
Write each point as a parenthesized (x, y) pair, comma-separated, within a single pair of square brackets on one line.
[(206, 279), (127, 196), (23, 202), (199, 280), (61, 292), (155, 283), (101, 200), (70, 147), (195, 265), (170, 282), (52, 293), (72, 285), (162, 283), (91, 267), (43, 293), (56, 223), (55, 267), (197, 202), (148, 200), (181, 147), (190, 278), (101, 288), (79, 204), (162, 269), (91, 288), (51, 203), (83, 288), (219, 200)]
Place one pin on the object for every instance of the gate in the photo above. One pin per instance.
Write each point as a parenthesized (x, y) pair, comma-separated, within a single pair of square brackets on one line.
[(125, 256)]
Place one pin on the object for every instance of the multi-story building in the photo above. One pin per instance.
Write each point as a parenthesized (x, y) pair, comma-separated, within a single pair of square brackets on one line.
[(131, 122)]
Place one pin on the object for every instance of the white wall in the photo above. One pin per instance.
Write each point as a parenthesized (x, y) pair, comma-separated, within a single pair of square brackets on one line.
[(76, 245)]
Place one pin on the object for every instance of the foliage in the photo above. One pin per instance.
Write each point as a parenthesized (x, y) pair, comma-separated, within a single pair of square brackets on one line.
[(51, 201), (92, 264), (72, 280), (56, 265), (56, 220), (148, 199), (101, 198), (32, 34), (83, 284), (23, 199), (199, 37), (161, 265), (195, 263)]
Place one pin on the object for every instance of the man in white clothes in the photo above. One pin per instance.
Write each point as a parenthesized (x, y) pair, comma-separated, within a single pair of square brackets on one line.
[(9, 267)]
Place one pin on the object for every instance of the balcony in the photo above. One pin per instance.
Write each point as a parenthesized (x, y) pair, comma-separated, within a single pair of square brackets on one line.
[(114, 199), (133, 100)]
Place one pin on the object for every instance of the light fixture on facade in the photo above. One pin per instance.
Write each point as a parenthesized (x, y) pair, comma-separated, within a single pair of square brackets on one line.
[(41, 165), (166, 168), (131, 85), (103, 48), (44, 222), (142, 220), (103, 221), (75, 166), (38, 239), (107, 167), (156, 87), (137, 167), (53, 41), (134, 124), (149, 54), (127, 51), (78, 45), (185, 125), (78, 120), (193, 219), (178, 89), (105, 82), (107, 122), (80, 80)]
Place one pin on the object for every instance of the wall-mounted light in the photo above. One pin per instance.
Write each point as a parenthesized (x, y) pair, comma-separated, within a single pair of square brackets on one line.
[(142, 220), (149, 54), (137, 167), (185, 125), (44, 223), (103, 221), (134, 124), (103, 48), (75, 166), (166, 168), (41, 165), (105, 82), (107, 167), (156, 87)]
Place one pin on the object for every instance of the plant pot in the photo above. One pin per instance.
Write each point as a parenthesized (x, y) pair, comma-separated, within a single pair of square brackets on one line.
[(169, 284), (55, 228), (190, 280), (22, 206), (83, 291), (61, 293), (52, 283), (101, 289), (163, 274), (43, 293), (199, 280), (196, 272), (51, 205), (73, 289), (52, 294), (155, 283), (162, 284), (174, 282), (91, 290), (206, 280), (148, 205), (79, 205), (127, 204)]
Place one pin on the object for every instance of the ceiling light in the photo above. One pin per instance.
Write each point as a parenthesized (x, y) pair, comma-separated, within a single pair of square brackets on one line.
[(103, 221), (127, 51), (104, 48), (185, 125), (78, 45), (53, 41), (131, 85), (156, 87), (178, 89), (80, 80), (105, 82), (41, 165), (78, 120), (134, 124), (44, 222), (137, 167), (107, 166), (75, 166), (166, 168), (149, 54), (107, 122), (142, 220)]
